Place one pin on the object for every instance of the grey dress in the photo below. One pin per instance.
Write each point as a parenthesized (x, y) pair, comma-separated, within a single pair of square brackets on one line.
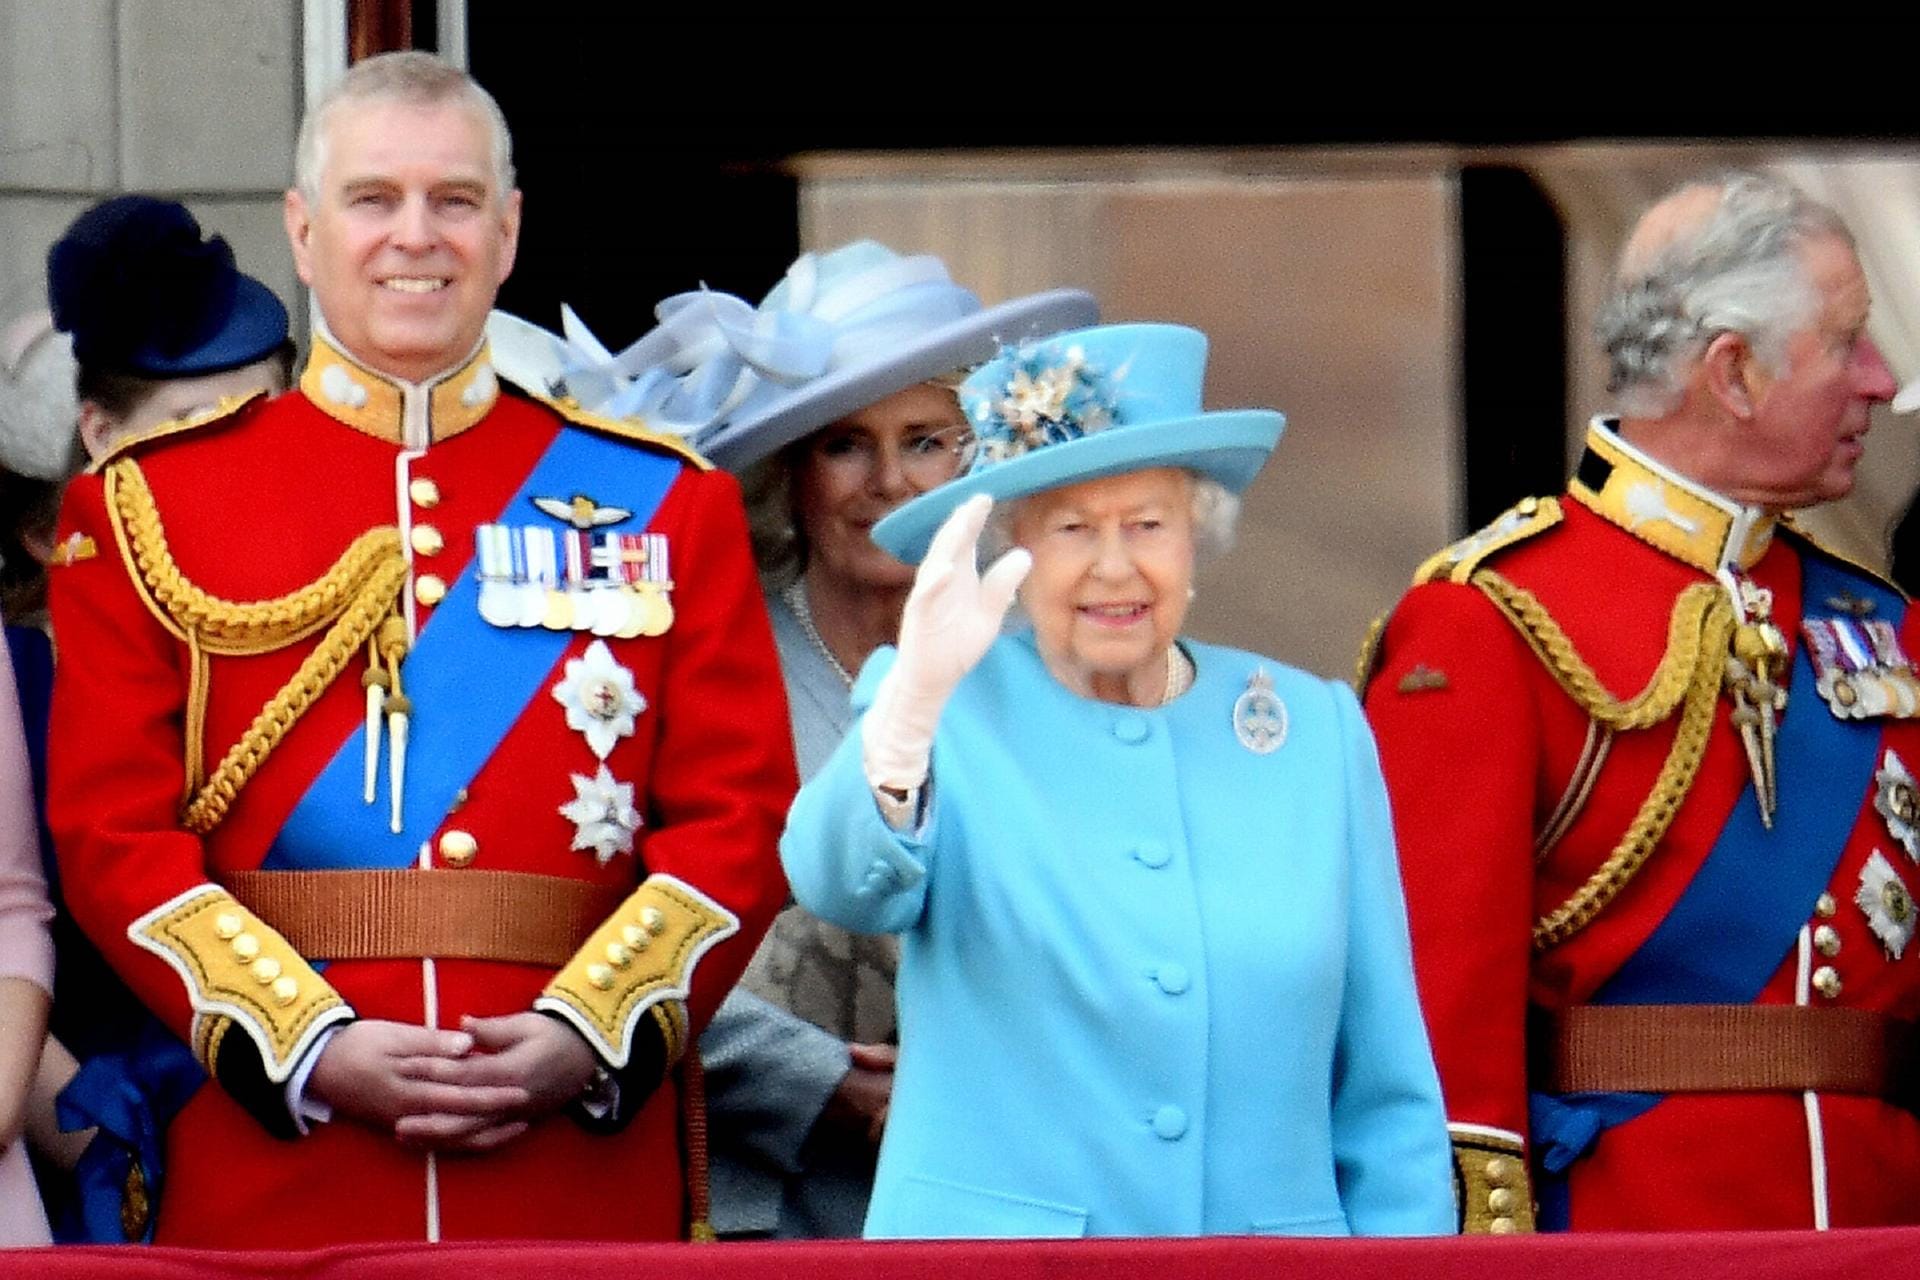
[(776, 1049)]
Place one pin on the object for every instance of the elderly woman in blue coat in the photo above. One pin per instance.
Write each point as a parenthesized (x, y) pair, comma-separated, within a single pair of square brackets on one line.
[(1154, 971), (834, 401)]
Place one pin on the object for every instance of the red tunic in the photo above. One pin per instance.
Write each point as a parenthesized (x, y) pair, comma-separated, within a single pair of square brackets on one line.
[(1481, 749), (260, 504)]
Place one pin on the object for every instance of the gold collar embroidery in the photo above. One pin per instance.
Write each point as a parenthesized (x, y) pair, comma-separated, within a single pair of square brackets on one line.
[(403, 413), (1665, 509)]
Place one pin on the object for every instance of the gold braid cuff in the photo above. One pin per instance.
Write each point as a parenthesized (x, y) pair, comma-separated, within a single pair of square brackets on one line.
[(1688, 678), (351, 599), (239, 972), (1490, 1181), (640, 961)]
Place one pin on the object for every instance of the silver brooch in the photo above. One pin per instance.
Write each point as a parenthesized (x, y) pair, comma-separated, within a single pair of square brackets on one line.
[(1259, 717)]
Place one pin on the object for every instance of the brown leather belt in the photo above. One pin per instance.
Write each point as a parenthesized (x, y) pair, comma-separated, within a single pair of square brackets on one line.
[(1718, 1048), (510, 916)]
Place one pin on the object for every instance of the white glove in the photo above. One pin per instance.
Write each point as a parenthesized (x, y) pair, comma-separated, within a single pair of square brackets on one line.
[(952, 616)]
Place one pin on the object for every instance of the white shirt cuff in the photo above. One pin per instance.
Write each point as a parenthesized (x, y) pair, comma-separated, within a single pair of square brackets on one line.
[(302, 1108)]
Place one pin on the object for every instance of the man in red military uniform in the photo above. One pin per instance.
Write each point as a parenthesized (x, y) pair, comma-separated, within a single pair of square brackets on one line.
[(1649, 751), (419, 748)]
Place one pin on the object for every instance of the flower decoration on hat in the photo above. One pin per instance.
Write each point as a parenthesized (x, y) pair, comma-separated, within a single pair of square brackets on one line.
[(600, 698), (602, 814), (1046, 396)]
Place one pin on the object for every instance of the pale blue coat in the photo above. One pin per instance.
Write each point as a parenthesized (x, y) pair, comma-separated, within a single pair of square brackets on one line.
[(1151, 983)]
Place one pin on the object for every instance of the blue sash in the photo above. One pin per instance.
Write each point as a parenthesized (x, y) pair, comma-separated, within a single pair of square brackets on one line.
[(1733, 926), (470, 683)]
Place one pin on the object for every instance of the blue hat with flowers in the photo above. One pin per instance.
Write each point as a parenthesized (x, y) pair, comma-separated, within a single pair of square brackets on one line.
[(1086, 404), (142, 293), (840, 331)]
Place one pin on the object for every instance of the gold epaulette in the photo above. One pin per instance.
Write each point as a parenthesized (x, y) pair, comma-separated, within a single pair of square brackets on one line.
[(225, 410), (641, 960), (1523, 520), (1490, 1177), (351, 599), (625, 429), (239, 971)]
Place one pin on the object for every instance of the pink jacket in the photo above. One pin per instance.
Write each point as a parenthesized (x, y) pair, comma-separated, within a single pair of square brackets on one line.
[(26, 949)]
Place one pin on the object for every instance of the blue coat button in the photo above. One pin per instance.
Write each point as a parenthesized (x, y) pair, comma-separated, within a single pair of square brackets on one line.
[(1151, 853), (1170, 1123), (1173, 978), (1131, 727)]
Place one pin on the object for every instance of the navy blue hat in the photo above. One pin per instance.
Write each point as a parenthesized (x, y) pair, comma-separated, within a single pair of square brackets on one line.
[(142, 293)]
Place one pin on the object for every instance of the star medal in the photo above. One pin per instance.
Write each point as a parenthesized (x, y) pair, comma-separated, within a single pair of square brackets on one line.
[(600, 698), (1259, 717), (604, 819), (1897, 800), (1888, 906)]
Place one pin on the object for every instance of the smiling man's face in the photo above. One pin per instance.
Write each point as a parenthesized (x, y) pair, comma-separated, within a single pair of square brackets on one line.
[(409, 237)]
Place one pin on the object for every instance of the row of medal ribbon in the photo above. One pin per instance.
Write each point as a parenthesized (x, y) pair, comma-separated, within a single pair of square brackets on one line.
[(612, 584), (1860, 669)]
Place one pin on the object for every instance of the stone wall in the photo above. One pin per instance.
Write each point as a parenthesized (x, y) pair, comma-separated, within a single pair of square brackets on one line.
[(194, 99)]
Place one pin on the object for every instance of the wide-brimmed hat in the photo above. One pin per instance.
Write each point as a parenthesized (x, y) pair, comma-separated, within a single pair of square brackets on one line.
[(142, 293), (1086, 404), (840, 331)]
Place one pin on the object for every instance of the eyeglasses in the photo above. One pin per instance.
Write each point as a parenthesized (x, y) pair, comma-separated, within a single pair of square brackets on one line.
[(927, 458)]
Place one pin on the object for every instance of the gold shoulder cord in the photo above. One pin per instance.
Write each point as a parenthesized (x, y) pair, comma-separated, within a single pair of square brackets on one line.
[(1688, 678), (1457, 563), (632, 429), (351, 599), (1369, 659)]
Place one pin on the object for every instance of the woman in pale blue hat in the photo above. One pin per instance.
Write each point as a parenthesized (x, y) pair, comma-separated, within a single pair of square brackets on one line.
[(834, 400), (1155, 977)]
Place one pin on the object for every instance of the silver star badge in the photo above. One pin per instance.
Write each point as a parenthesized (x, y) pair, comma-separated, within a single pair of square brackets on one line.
[(602, 814), (1889, 907), (1898, 800), (600, 698)]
